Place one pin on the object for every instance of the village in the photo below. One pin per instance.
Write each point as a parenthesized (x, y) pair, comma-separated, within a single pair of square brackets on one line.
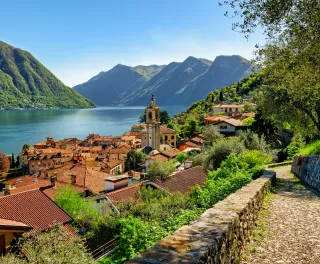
[(98, 168)]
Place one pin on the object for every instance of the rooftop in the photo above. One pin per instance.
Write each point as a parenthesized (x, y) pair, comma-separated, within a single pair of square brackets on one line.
[(32, 208), (116, 178)]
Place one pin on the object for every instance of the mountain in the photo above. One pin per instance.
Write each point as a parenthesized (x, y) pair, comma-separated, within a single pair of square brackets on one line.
[(178, 83), (26, 83), (223, 71), (168, 82), (107, 88)]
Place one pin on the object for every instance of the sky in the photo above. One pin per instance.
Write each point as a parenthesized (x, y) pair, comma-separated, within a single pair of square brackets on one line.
[(77, 39)]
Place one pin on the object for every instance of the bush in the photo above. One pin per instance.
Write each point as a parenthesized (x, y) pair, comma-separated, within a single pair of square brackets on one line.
[(294, 147), (159, 169), (181, 157), (311, 149)]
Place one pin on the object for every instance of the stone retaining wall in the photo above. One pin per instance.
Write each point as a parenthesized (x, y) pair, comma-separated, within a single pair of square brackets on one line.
[(308, 170), (219, 234)]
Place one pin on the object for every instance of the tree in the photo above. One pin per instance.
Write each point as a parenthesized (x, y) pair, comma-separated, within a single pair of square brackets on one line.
[(290, 58), (164, 117), (190, 128), (4, 163), (133, 160), (221, 99), (211, 134), (181, 157), (53, 246), (26, 146), (160, 169), (83, 211)]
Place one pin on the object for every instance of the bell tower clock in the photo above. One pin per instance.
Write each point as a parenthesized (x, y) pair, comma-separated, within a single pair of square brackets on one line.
[(153, 124)]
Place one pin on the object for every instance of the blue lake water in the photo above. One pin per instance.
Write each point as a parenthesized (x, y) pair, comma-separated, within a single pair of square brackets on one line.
[(30, 126)]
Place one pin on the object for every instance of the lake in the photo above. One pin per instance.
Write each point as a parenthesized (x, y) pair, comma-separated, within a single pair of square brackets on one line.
[(30, 126)]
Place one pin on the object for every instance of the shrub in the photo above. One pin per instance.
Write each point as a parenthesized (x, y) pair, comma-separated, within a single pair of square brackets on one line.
[(159, 169), (294, 147), (181, 157), (311, 149)]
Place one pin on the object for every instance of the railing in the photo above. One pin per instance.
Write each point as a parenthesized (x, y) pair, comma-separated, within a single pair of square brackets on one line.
[(104, 250)]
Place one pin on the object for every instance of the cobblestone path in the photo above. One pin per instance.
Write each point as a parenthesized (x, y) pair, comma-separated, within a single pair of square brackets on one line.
[(288, 228)]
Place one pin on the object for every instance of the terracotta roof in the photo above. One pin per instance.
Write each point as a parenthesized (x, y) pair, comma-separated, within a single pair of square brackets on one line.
[(139, 134), (32, 208), (198, 139), (9, 224), (124, 194), (182, 181), (96, 148), (42, 143), (159, 156), (231, 121), (191, 144), (119, 151), (92, 179), (165, 130), (171, 153), (112, 163)]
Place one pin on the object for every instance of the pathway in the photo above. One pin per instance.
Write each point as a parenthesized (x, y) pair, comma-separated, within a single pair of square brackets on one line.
[(289, 227)]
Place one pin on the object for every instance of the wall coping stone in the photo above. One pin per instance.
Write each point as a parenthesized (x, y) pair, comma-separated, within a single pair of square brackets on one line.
[(219, 234)]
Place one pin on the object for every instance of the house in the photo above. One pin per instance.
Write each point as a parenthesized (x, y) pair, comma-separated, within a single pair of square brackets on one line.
[(90, 178), (111, 166), (142, 135), (171, 153), (25, 211), (188, 144), (40, 145), (169, 136), (40, 161), (228, 127), (228, 109), (96, 150)]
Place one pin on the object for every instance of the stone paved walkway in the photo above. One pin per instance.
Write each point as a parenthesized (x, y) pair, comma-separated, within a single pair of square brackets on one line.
[(288, 228)]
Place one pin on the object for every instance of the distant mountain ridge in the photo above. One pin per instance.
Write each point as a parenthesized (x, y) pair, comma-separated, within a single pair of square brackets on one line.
[(26, 83), (178, 83)]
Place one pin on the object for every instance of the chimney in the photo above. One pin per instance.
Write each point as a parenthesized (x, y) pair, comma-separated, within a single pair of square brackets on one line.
[(73, 179), (53, 180), (187, 164)]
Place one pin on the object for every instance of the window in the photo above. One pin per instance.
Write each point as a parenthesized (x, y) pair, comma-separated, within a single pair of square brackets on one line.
[(172, 137), (38, 163), (165, 138), (44, 163), (32, 164), (223, 127), (49, 163)]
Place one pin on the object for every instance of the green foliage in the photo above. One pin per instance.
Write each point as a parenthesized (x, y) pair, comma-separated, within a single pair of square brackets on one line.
[(81, 210), (133, 160), (52, 246), (311, 149), (290, 59), (160, 169), (181, 157), (26, 83), (294, 147), (26, 146), (248, 121), (211, 134)]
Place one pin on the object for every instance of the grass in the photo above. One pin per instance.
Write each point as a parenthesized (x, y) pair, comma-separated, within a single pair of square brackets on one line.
[(311, 149)]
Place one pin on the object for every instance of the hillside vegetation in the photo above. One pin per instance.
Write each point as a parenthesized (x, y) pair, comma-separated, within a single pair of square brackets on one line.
[(26, 83)]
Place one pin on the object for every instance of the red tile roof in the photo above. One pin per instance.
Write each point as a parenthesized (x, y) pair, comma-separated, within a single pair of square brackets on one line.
[(124, 194), (32, 208), (165, 130), (171, 153), (182, 181)]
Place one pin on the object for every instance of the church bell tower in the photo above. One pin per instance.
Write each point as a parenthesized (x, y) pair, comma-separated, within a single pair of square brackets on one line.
[(153, 124)]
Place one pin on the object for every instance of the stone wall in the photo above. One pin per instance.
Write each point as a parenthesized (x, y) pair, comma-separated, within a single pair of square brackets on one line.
[(308, 170), (219, 234)]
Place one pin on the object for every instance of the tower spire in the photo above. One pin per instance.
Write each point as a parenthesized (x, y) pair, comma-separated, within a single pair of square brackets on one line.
[(153, 101)]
